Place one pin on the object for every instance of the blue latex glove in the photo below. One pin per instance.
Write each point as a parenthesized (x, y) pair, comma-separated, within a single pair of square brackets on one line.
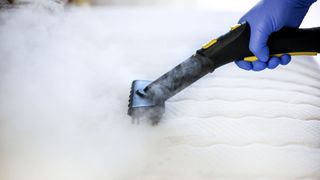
[(265, 18)]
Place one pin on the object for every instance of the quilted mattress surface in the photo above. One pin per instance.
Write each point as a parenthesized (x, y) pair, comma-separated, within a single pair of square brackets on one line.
[(65, 76)]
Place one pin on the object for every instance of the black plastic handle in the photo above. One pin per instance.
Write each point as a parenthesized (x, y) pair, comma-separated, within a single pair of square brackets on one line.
[(235, 44)]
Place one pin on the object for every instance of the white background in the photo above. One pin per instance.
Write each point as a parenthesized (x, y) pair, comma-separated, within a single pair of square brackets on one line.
[(216, 5)]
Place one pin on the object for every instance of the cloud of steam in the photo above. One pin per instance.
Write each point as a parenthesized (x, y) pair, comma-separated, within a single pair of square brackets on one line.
[(65, 77), (63, 95)]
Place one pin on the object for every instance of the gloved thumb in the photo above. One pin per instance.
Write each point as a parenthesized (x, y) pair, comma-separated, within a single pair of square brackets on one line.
[(258, 44)]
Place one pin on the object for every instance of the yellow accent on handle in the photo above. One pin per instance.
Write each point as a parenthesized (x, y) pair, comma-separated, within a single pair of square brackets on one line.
[(254, 58), (214, 41), (209, 44), (235, 27)]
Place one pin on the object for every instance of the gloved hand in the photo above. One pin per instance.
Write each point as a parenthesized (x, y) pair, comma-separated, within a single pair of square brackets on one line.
[(265, 18)]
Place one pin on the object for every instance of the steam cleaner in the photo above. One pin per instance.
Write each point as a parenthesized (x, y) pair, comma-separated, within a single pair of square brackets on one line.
[(147, 98)]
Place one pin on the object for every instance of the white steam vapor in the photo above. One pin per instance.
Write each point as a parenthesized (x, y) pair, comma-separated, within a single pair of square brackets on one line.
[(65, 77), (63, 96)]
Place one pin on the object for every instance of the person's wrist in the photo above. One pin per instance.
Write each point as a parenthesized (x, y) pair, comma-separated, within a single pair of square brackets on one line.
[(305, 3)]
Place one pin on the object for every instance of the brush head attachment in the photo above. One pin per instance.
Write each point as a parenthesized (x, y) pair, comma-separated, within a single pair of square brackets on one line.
[(143, 106)]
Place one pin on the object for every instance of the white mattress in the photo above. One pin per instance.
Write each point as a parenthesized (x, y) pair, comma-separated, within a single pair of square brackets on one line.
[(65, 77)]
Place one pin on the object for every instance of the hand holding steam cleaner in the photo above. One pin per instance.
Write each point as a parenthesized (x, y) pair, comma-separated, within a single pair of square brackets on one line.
[(267, 17), (266, 36)]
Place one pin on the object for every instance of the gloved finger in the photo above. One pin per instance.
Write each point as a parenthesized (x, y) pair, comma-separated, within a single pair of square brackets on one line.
[(285, 59), (258, 44), (274, 62), (259, 65), (244, 65)]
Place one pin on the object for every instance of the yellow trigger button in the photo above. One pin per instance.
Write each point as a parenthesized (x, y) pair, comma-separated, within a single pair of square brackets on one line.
[(235, 27), (209, 44), (254, 58)]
